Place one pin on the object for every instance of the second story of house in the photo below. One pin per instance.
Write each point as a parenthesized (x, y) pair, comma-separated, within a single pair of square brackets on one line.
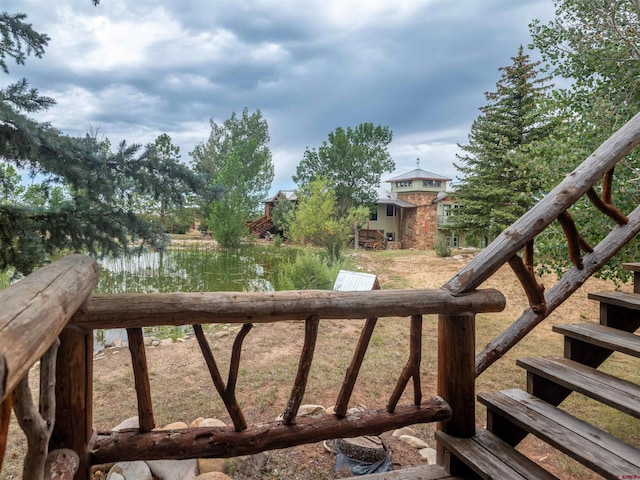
[(418, 180)]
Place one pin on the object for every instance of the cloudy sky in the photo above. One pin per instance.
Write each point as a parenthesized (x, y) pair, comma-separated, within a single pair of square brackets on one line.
[(139, 68)]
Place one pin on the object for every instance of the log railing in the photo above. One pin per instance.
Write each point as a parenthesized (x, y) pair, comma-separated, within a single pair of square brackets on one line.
[(520, 236), (311, 307), (57, 297)]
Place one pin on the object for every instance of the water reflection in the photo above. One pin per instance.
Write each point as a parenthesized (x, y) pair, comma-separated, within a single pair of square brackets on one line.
[(197, 269)]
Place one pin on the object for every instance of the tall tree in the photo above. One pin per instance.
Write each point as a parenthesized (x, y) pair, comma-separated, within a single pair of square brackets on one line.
[(595, 46), (91, 217), (352, 161), (237, 158), (498, 182)]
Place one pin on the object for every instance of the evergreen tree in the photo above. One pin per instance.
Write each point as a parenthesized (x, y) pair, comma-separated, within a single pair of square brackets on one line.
[(498, 181), (93, 214)]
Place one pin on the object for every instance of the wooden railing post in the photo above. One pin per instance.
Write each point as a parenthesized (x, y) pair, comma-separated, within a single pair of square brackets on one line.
[(74, 396), (457, 373)]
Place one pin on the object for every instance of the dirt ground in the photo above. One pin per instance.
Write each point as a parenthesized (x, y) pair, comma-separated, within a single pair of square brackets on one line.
[(182, 390)]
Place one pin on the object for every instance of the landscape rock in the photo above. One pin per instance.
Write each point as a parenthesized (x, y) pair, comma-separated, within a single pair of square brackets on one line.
[(331, 410), (208, 422), (128, 424), (62, 464), (155, 343), (130, 471), (147, 341), (173, 426), (404, 431), (250, 465), (428, 454), (307, 410), (166, 342), (206, 465), (174, 469), (213, 476), (415, 442)]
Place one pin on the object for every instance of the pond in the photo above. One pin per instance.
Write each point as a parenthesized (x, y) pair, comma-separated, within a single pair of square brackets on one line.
[(200, 268)]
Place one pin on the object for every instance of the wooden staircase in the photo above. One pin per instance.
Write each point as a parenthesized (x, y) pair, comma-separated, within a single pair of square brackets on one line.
[(513, 414)]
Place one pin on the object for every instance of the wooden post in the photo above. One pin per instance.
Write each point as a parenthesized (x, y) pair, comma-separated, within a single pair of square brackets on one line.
[(457, 374), (74, 396)]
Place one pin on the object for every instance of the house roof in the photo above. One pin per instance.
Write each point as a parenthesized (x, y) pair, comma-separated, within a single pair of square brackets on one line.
[(418, 174), (385, 197), (288, 194)]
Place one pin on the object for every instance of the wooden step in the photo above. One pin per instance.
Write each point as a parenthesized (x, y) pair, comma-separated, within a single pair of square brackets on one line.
[(602, 336), (490, 457), (610, 390), (627, 300), (594, 448)]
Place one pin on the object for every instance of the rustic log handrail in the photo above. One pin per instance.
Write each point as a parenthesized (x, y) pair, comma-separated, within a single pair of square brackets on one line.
[(148, 310), (36, 309), (523, 230)]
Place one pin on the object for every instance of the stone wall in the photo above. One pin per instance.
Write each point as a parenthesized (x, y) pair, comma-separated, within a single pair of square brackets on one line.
[(419, 224)]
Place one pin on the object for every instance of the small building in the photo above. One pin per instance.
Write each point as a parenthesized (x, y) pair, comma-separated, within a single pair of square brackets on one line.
[(415, 211)]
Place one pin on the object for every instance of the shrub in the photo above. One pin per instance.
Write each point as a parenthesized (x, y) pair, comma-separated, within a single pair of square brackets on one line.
[(442, 249), (307, 272)]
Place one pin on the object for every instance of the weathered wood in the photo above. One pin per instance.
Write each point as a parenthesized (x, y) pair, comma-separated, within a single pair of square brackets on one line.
[(590, 446), (533, 289), (576, 184), (563, 289), (615, 392), (37, 424), (575, 241), (490, 458), (304, 365), (353, 370), (607, 208), (146, 310), (592, 334), (135, 337), (36, 309), (635, 268), (234, 369), (412, 368), (5, 416), (456, 372), (233, 409), (225, 442), (626, 300), (73, 427)]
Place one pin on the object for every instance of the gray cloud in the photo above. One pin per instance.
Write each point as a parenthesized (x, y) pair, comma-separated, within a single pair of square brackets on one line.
[(140, 68)]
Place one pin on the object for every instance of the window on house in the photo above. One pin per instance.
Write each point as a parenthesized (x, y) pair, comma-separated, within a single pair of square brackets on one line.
[(431, 183), (390, 210), (373, 216), (404, 183)]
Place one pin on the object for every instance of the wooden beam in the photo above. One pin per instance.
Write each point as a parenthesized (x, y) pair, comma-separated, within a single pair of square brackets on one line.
[(36, 309), (563, 289), (146, 310), (304, 365), (576, 184), (412, 367), (226, 442), (135, 337)]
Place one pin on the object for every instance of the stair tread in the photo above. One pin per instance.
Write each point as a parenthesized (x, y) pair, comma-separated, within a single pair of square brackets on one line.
[(608, 389), (491, 458), (622, 299), (602, 336), (591, 446)]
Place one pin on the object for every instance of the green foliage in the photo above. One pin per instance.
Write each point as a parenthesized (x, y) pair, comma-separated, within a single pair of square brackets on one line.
[(282, 214), (318, 221), (352, 161), (499, 182), (594, 45), (307, 272), (442, 249), (236, 157), (81, 199)]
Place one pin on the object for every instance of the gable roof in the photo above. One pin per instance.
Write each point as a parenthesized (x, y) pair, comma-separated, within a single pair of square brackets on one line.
[(288, 194), (418, 174)]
